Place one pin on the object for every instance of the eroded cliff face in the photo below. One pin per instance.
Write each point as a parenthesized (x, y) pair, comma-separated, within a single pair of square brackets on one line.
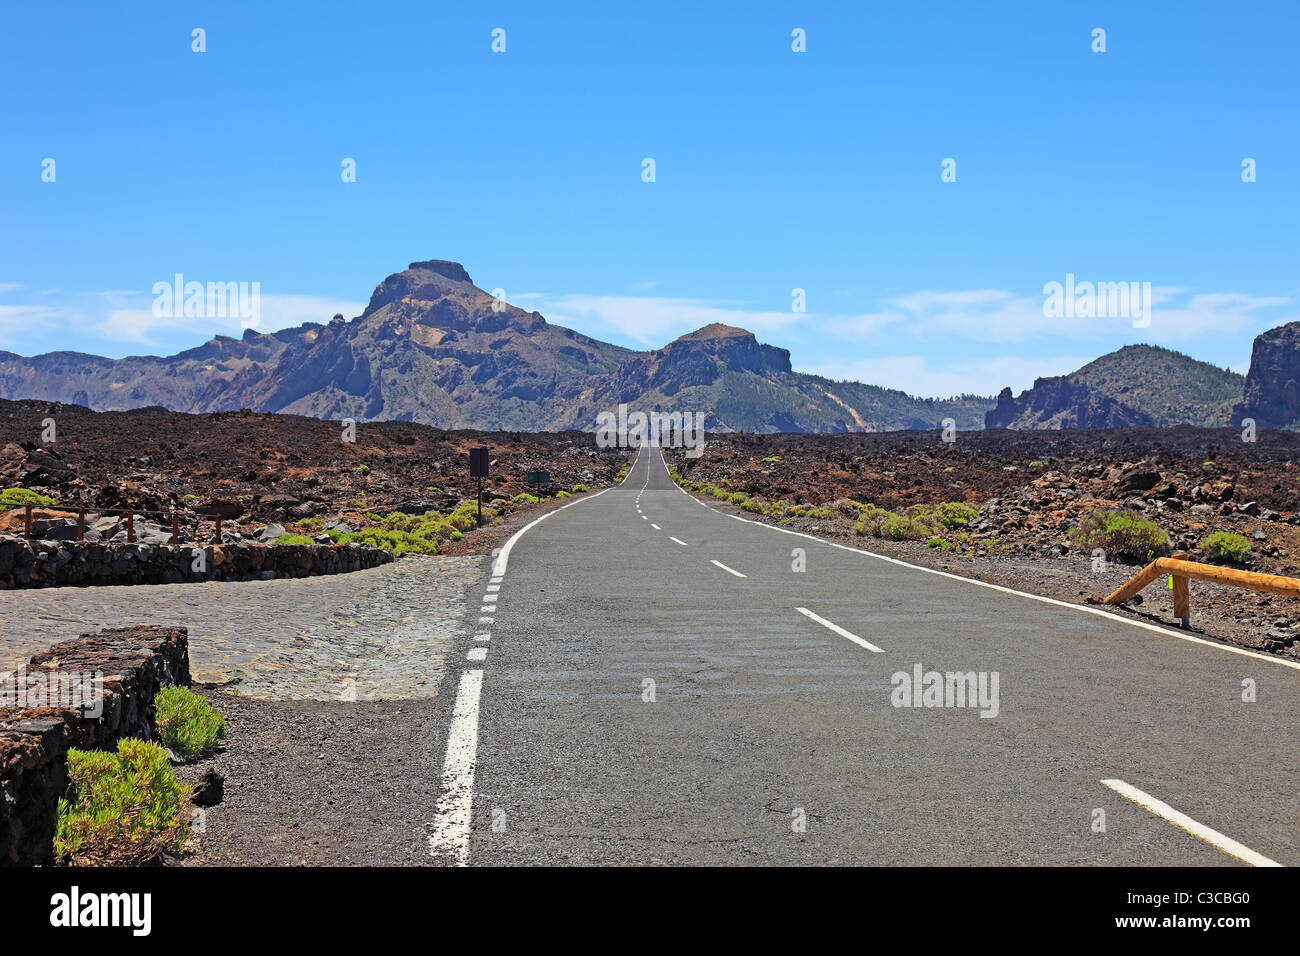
[(1272, 395)]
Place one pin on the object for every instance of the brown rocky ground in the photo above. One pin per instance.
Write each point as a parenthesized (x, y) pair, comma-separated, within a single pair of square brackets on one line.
[(1030, 488), (255, 469)]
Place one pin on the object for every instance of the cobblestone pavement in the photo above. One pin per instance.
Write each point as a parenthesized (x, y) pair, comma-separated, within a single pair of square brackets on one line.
[(377, 634)]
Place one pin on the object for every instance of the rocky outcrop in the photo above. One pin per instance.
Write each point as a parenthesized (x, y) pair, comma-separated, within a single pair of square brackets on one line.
[(1062, 403), (86, 693), (1272, 395)]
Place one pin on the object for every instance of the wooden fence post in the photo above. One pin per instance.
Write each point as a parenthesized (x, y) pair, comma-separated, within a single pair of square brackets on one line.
[(27, 521), (1182, 601), (176, 528), (81, 524), (130, 525)]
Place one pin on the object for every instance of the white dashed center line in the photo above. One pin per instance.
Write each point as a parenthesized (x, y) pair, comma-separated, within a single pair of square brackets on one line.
[(727, 569), (655, 526), (679, 541), (839, 630)]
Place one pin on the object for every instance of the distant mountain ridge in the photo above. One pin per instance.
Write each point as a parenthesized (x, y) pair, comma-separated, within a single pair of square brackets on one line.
[(431, 347), (1137, 385)]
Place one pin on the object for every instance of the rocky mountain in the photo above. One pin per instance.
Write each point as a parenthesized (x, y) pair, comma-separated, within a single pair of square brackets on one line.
[(433, 348), (1272, 395), (1138, 385)]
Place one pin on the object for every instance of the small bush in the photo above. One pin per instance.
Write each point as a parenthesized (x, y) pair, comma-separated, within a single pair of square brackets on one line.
[(1226, 546), (1121, 534), (293, 539), (903, 528), (123, 809), (581, 488), (187, 724), (363, 470), (871, 520), (525, 498), (954, 514), (938, 543), (563, 494), (17, 497)]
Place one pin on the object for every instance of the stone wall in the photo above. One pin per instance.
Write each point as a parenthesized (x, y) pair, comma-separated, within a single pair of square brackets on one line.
[(135, 663), (36, 564)]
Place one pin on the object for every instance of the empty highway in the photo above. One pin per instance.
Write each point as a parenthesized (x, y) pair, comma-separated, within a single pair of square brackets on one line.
[(652, 681)]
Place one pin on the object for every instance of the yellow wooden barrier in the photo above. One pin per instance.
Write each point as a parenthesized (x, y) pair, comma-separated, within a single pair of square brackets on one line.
[(1183, 571)]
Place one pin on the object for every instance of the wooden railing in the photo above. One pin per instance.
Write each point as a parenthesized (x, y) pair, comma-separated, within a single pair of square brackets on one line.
[(1182, 571), (128, 513)]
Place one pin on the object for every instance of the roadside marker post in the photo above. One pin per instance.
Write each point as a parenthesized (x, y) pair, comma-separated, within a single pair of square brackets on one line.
[(478, 468)]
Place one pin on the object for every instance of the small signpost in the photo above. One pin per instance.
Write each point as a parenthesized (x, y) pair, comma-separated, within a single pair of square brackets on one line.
[(539, 477), (478, 468)]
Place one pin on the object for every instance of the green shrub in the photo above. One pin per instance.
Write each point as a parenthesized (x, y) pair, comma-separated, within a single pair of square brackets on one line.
[(293, 539), (17, 497), (312, 522), (872, 518), (738, 498), (1121, 534), (580, 488), (363, 470), (124, 808), (1226, 546), (187, 724), (954, 514), (903, 528), (938, 543), (563, 494), (525, 498)]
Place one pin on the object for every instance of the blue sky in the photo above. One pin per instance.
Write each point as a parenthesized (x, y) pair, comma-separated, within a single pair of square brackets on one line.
[(775, 170)]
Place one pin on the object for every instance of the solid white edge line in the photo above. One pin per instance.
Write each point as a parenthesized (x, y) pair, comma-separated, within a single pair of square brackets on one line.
[(727, 569), (1181, 820), (1082, 608), (679, 541), (503, 559), (452, 818), (839, 630)]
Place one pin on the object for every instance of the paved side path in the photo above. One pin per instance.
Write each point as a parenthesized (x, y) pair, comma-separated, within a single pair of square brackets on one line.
[(382, 633)]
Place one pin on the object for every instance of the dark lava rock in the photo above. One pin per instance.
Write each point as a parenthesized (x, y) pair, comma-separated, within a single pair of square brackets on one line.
[(210, 789)]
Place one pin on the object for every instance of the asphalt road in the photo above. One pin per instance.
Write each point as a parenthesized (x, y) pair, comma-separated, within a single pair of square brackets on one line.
[(769, 735)]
